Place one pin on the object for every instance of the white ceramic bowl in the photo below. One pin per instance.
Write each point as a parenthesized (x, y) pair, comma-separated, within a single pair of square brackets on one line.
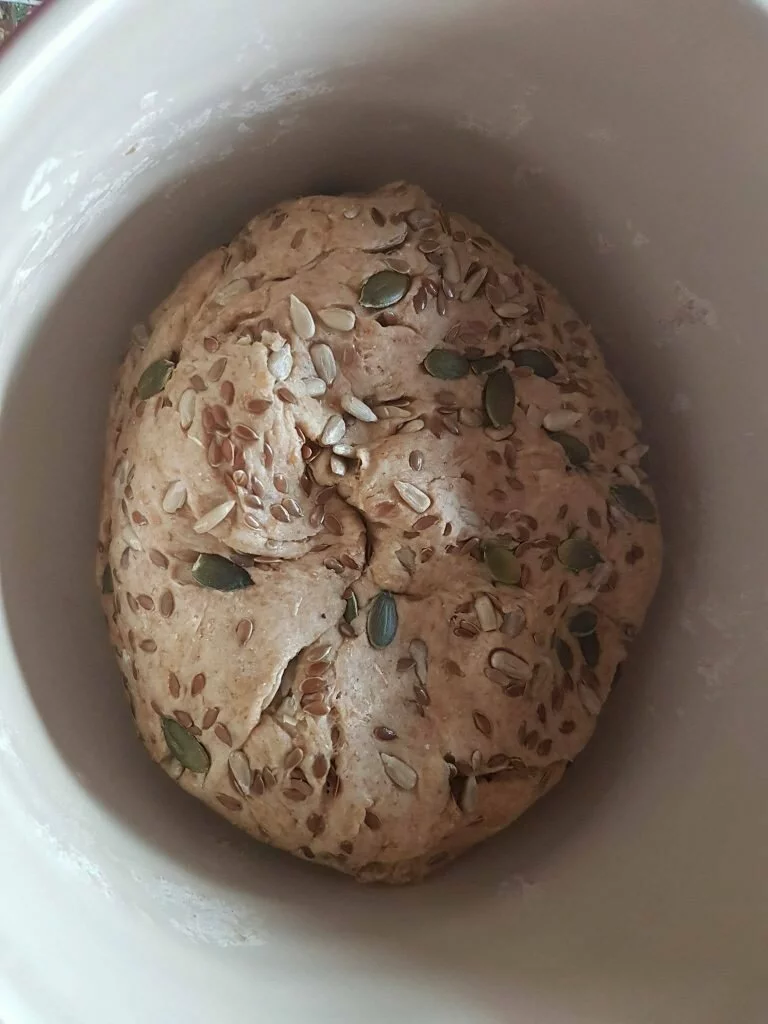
[(621, 148)]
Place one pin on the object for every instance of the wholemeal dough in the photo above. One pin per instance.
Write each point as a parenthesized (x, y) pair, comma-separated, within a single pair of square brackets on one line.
[(424, 490)]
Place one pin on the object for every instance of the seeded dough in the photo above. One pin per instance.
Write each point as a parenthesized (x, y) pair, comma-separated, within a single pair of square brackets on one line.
[(493, 533)]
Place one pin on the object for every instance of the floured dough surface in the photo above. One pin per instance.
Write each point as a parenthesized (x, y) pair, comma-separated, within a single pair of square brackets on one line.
[(375, 533)]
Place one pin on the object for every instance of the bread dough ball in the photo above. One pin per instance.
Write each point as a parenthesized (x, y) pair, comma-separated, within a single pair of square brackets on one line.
[(375, 533)]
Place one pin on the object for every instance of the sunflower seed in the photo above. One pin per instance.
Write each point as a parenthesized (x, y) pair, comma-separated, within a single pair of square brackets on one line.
[(502, 563), (301, 318), (482, 723), (240, 769), (337, 318), (314, 387), (187, 750), (634, 454), (510, 664), (420, 655), (486, 614), (473, 284), (398, 772), (218, 573), (413, 497), (187, 403), (464, 790), (107, 583), (213, 518), (167, 604), (633, 501), (513, 623), (382, 620), (589, 699), (445, 364), (154, 378), (451, 269), (383, 289), (355, 407), (578, 553), (406, 558), (509, 310), (333, 431), (627, 473), (280, 363), (131, 538), (499, 398), (324, 362), (561, 419)]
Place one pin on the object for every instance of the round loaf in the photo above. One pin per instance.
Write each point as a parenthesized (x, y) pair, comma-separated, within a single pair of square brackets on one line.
[(375, 532)]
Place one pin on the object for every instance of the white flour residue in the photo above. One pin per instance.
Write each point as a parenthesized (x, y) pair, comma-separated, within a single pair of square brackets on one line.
[(39, 186), (691, 310), (680, 404), (518, 117), (601, 135), (71, 859), (202, 918), (299, 85)]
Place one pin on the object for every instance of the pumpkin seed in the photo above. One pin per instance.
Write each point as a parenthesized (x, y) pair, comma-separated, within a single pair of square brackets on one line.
[(383, 289), (351, 609), (382, 620), (504, 566), (499, 398), (403, 776), (154, 378), (564, 654), (107, 583), (577, 554), (485, 364), (633, 501), (590, 649), (187, 750), (446, 365), (575, 450), (535, 360), (218, 573), (583, 622)]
